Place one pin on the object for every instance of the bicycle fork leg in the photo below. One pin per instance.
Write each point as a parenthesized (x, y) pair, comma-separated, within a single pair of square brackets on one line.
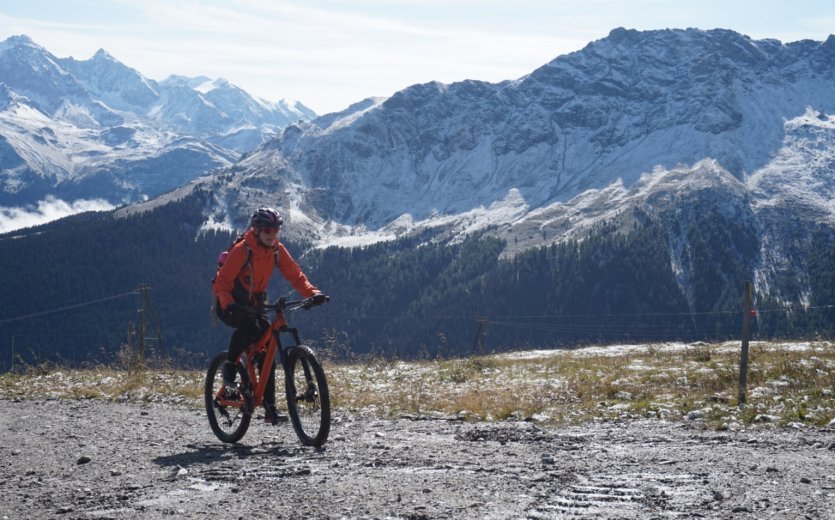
[(290, 379), (310, 388), (308, 376)]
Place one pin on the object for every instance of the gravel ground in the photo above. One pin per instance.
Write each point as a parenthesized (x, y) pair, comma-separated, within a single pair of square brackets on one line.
[(94, 459)]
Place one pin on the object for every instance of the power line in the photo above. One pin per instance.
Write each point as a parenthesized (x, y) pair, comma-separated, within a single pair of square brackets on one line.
[(662, 314), (68, 307), (509, 317)]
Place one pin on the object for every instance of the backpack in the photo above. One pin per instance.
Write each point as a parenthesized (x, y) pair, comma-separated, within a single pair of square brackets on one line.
[(221, 259)]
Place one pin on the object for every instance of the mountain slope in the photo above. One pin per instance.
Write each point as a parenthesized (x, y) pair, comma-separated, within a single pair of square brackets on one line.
[(614, 110), (97, 128), (626, 190), (652, 120)]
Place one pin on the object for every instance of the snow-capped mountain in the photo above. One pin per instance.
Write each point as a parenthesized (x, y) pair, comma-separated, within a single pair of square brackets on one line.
[(666, 124), (97, 128), (662, 169)]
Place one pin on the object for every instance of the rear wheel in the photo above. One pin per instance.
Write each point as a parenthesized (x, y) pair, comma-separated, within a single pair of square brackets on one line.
[(229, 409), (308, 399)]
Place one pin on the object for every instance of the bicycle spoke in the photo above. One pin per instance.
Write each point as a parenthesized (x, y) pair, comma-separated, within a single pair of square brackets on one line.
[(225, 406)]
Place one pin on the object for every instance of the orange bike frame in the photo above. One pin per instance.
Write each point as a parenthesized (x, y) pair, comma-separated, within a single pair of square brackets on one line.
[(268, 343)]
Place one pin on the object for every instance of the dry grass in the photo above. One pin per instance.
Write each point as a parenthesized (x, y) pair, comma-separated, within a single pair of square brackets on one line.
[(104, 383), (788, 383)]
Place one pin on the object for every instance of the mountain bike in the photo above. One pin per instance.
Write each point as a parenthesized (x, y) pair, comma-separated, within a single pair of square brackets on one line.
[(230, 409)]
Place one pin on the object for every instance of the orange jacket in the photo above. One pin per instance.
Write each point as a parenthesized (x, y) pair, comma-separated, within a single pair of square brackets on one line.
[(255, 277)]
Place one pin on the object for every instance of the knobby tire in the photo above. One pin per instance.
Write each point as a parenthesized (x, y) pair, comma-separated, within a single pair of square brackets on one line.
[(309, 406), (229, 423)]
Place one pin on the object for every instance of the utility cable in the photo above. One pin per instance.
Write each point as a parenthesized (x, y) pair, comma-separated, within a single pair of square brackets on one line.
[(68, 307)]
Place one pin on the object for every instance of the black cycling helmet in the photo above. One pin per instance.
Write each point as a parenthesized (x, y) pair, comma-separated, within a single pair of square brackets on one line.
[(266, 218)]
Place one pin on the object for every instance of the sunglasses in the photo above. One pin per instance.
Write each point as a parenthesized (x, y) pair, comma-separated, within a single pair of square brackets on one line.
[(269, 230)]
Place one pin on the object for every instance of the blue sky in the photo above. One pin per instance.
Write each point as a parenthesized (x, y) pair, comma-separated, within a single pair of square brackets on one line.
[(329, 54)]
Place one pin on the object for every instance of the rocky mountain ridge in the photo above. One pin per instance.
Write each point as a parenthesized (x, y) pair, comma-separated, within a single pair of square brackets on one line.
[(713, 145), (98, 128), (638, 120)]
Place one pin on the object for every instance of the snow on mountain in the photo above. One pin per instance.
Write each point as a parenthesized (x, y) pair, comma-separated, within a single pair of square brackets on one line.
[(223, 113), (801, 171), (112, 83), (97, 128), (294, 110), (671, 123), (792, 195), (617, 109)]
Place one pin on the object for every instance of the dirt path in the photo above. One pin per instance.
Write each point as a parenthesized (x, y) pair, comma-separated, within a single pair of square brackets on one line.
[(91, 459)]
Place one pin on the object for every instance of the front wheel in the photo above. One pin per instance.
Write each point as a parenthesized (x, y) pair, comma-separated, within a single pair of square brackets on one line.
[(229, 409), (308, 399)]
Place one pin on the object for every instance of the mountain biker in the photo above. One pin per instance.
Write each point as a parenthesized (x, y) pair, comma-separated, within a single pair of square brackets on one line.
[(241, 285)]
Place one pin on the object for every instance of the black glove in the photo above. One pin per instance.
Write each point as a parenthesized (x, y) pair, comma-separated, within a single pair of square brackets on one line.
[(235, 313), (316, 299)]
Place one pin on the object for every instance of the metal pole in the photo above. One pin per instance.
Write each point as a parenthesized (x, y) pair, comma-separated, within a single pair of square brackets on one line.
[(746, 333)]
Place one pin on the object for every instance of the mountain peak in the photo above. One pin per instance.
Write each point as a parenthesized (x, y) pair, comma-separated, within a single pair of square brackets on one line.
[(828, 46), (102, 54), (620, 34), (101, 120), (177, 80), (18, 39), (615, 110)]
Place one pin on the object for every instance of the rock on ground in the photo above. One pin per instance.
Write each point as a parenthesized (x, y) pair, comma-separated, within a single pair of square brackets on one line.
[(92, 459)]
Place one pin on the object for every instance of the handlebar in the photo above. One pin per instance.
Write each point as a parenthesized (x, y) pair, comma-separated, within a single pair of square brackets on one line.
[(282, 304)]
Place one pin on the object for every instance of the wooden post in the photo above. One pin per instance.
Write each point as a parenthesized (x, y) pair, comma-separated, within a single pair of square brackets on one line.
[(746, 333), (140, 355), (478, 343)]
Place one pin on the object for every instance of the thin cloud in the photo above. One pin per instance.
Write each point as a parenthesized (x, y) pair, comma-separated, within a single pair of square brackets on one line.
[(325, 58), (331, 54), (47, 210)]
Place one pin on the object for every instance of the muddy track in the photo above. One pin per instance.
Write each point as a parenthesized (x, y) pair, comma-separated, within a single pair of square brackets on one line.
[(92, 459)]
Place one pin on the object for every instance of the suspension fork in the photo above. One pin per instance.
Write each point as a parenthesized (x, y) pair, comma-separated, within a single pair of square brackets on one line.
[(287, 339)]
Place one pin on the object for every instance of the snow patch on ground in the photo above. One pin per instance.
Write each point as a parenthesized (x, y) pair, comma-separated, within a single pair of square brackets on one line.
[(625, 350)]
